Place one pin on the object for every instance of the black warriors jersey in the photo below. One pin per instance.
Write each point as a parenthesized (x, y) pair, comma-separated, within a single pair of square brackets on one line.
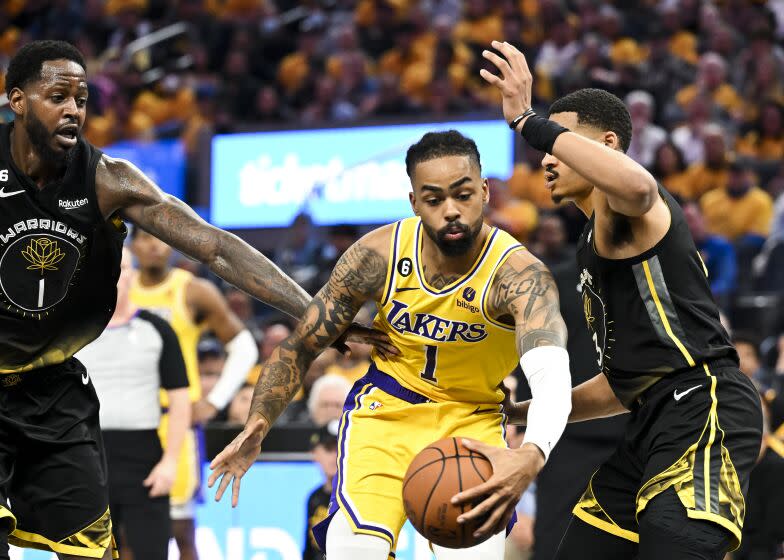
[(652, 315), (59, 262)]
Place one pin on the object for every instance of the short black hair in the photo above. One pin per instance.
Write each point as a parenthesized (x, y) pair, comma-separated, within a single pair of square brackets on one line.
[(600, 109), (25, 66), (439, 144)]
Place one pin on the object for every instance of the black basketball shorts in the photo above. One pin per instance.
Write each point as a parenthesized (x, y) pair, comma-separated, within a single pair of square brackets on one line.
[(52, 465), (698, 433)]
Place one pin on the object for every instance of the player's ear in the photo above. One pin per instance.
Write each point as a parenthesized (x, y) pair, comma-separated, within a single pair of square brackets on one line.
[(611, 140), (412, 200), (17, 101), (485, 191)]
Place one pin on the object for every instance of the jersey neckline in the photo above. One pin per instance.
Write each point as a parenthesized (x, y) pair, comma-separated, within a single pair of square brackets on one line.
[(449, 288)]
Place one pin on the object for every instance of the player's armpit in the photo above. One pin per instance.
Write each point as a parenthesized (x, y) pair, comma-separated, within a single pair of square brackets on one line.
[(524, 292), (122, 188), (359, 276)]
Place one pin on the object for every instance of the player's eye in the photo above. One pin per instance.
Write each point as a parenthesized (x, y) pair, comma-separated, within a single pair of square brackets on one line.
[(463, 196), (432, 201), (57, 98), (81, 102)]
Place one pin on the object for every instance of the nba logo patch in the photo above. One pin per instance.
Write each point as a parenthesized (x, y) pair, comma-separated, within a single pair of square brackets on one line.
[(469, 294), (374, 405)]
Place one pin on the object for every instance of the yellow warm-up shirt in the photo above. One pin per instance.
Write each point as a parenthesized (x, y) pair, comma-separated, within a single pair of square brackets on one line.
[(167, 300)]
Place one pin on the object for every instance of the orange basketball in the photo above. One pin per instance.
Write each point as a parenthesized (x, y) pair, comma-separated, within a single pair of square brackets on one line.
[(438, 472)]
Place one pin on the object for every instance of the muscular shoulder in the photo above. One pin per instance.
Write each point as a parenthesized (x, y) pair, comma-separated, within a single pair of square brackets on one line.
[(363, 267), (118, 183)]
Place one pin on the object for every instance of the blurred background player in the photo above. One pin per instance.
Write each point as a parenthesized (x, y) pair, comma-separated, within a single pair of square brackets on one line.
[(134, 358), (465, 303), (324, 450), (192, 306)]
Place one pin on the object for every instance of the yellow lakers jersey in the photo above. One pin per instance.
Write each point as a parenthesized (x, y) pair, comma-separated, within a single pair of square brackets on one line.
[(451, 349), (167, 300)]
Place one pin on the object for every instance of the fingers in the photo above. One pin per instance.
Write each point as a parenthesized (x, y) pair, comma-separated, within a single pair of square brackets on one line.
[(498, 519), (479, 447), (235, 491), (472, 494), (499, 62), (515, 58), (224, 483), (480, 510)]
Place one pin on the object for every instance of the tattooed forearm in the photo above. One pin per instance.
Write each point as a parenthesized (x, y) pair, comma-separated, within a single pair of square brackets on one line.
[(527, 294), (358, 276)]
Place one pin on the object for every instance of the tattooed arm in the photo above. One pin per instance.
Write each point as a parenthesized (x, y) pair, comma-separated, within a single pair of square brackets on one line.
[(122, 188), (358, 277), (524, 293)]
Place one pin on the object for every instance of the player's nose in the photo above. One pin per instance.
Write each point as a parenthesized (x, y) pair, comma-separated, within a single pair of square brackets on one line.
[(451, 210), (549, 160)]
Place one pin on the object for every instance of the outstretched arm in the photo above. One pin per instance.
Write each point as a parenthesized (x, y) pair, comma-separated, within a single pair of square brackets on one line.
[(122, 187), (359, 276), (630, 189)]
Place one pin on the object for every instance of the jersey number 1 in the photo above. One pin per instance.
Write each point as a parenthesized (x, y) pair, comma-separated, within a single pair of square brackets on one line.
[(431, 359)]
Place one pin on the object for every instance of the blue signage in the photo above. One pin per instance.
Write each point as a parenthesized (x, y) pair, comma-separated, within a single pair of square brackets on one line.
[(267, 524), (163, 161), (343, 175)]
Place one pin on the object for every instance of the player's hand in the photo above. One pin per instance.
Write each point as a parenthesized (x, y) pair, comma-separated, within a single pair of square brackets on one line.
[(202, 412), (233, 462), (515, 81), (161, 477), (365, 335), (513, 471), (516, 412)]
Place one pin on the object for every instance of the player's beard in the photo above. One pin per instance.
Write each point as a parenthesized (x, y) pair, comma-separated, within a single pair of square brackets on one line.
[(41, 139), (458, 247)]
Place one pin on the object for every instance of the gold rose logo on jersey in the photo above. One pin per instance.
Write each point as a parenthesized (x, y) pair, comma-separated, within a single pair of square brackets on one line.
[(589, 318), (43, 254)]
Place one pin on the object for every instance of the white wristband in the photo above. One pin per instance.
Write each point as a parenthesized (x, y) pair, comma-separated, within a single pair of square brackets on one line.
[(241, 356), (547, 371)]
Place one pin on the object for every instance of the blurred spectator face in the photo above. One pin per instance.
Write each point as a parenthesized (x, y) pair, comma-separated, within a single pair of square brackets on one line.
[(346, 38), (749, 357), (722, 41), (452, 218), (765, 72), (739, 182), (240, 303), (273, 336), (343, 237), (714, 148), (267, 102), (325, 90), (236, 64), (300, 230), (210, 368), (640, 111), (561, 34), (609, 22), (327, 397), (772, 121), (694, 220), (698, 110), (499, 193), (476, 9), (551, 234), (712, 71), (326, 456), (150, 252), (667, 160), (239, 408)]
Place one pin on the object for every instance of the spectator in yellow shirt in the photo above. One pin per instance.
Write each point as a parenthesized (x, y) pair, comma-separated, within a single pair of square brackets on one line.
[(740, 211), (711, 172), (517, 217), (766, 141), (669, 168), (711, 80)]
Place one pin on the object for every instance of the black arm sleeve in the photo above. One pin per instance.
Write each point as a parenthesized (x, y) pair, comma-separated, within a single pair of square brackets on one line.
[(171, 365)]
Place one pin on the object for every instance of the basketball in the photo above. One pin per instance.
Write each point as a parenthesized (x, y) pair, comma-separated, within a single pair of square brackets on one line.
[(438, 472)]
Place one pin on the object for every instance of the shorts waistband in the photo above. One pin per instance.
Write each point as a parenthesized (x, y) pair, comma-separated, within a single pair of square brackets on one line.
[(391, 386), (667, 382)]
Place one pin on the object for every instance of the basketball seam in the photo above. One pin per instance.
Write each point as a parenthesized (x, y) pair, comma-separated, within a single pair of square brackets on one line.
[(432, 491), (444, 458), (460, 489), (473, 464)]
